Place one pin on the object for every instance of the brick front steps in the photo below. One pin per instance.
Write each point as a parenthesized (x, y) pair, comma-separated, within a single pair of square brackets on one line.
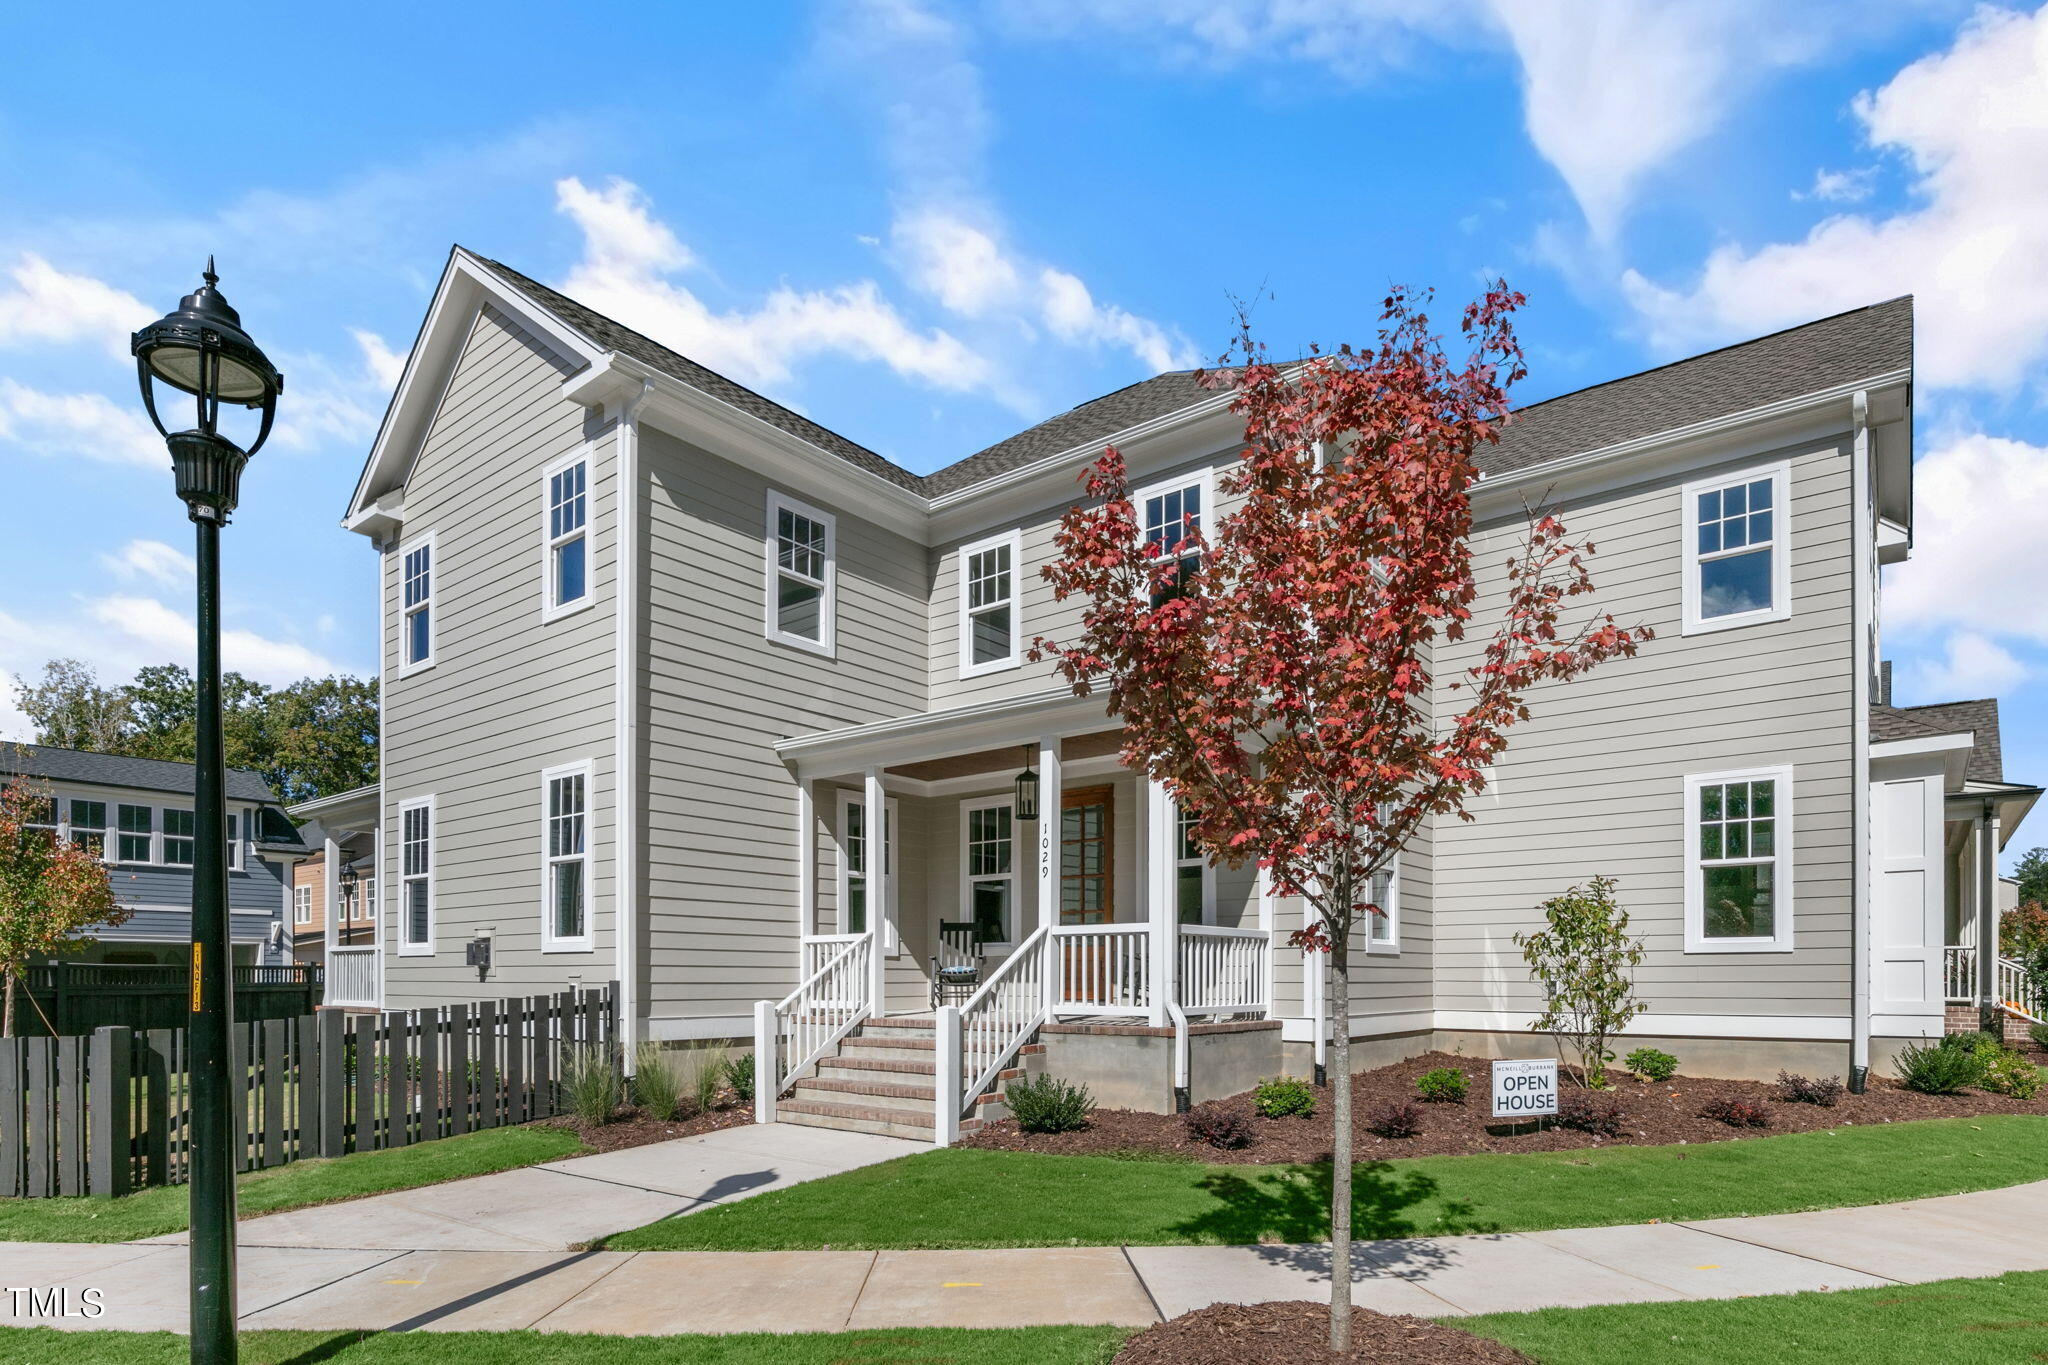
[(880, 1080)]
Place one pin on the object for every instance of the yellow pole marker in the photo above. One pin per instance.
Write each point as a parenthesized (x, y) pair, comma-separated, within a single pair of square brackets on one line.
[(195, 978), (962, 1284)]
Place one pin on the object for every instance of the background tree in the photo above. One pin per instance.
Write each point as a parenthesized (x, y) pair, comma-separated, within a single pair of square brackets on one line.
[(1583, 957), (2031, 872), (50, 893), (1274, 669), (70, 709)]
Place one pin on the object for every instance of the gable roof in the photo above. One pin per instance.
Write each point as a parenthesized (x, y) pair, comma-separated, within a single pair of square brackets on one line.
[(1862, 343), (1979, 718), (117, 770)]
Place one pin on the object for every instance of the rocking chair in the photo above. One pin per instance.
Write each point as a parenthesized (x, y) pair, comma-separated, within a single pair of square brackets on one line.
[(956, 966)]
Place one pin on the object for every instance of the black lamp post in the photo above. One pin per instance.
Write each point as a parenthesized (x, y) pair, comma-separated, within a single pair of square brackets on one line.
[(201, 350)]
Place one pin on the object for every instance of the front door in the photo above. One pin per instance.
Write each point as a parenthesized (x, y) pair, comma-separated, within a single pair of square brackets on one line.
[(1086, 863)]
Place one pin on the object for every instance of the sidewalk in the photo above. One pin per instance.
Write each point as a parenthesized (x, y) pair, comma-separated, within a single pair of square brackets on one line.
[(503, 1287)]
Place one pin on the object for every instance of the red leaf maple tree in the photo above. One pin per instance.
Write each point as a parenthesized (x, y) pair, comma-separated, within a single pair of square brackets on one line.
[(1276, 670)]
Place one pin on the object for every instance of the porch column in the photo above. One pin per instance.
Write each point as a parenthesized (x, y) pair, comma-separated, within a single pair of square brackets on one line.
[(1264, 892), (875, 811), (1048, 837), (806, 864), (1987, 917), (1157, 891), (330, 892)]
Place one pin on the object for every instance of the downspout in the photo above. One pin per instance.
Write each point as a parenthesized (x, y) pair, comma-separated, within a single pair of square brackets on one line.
[(626, 730), (1863, 594)]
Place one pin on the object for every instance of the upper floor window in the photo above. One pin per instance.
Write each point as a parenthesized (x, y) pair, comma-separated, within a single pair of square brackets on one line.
[(1738, 893), (416, 628), (234, 843), (1168, 514), (366, 893), (565, 852), (89, 825), (181, 829), (302, 905), (988, 604), (800, 574), (566, 538), (138, 833), (416, 879), (1737, 550), (1193, 884), (991, 888)]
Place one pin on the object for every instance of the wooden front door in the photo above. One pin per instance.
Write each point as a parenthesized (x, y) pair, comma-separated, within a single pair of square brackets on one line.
[(1087, 864)]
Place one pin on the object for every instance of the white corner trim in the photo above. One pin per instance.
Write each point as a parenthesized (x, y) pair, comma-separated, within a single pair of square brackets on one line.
[(1779, 472), (1013, 539), (1696, 940), (828, 604)]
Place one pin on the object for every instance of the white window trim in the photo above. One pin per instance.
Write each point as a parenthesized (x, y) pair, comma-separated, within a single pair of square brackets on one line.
[(238, 821), (1014, 540), (968, 879), (302, 904), (849, 797), (1204, 479), (1390, 946), (1780, 475), (1208, 872), (828, 605), (550, 609), (1696, 940), (550, 942), (398, 907), (433, 605)]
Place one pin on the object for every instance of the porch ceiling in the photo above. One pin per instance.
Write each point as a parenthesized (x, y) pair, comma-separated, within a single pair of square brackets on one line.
[(1007, 758)]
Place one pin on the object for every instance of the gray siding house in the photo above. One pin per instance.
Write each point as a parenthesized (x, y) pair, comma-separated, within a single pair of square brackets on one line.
[(656, 651), (137, 813)]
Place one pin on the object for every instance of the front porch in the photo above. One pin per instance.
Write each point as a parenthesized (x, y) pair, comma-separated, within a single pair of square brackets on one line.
[(1980, 987)]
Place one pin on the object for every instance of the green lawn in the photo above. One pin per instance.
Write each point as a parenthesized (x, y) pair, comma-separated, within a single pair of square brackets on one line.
[(151, 1212), (961, 1197), (905, 1346), (1955, 1322)]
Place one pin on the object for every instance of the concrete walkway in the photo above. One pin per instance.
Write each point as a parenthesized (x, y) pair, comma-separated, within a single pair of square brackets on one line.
[(369, 1278)]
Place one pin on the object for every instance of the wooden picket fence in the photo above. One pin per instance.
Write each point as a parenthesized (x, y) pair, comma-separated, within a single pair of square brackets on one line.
[(108, 1113)]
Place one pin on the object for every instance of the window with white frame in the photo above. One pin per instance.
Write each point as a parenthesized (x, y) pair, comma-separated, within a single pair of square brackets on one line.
[(302, 905), (566, 538), (988, 604), (1168, 514), (988, 835), (1194, 894), (416, 623), (1383, 888), (89, 825), (800, 574), (181, 828), (855, 886), (234, 842), (366, 907), (416, 877), (565, 859), (1737, 550), (136, 843), (1738, 894)]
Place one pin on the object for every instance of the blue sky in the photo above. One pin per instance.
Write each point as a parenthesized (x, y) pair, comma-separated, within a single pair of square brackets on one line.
[(928, 226)]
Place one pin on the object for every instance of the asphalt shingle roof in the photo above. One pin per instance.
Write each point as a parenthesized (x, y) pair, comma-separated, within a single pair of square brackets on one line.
[(1858, 344), (115, 770), (1980, 718)]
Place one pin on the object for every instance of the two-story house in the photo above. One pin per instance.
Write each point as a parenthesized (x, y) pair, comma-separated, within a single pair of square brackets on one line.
[(683, 689)]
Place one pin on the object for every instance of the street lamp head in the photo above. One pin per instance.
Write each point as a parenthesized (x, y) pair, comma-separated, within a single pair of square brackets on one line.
[(201, 349)]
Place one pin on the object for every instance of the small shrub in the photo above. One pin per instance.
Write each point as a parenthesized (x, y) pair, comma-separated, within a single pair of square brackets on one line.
[(703, 1074), (1444, 1085), (1737, 1113), (2013, 1075), (592, 1082), (739, 1074), (1396, 1119), (655, 1087), (1651, 1064), (1942, 1069), (1589, 1113), (1284, 1096), (1044, 1104), (1977, 1042), (1219, 1126), (1824, 1091), (2039, 1033)]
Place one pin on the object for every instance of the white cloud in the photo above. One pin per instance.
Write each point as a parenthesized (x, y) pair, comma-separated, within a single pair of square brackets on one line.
[(384, 364), (48, 304), (81, 425), (1840, 187), (153, 631), (1969, 666), (1979, 505), (957, 263), (150, 559), (1074, 316), (1971, 123)]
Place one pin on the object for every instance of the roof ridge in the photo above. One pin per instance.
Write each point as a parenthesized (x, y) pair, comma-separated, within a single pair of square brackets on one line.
[(102, 753)]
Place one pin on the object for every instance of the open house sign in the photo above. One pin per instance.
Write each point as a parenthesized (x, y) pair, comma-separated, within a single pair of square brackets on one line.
[(1525, 1090)]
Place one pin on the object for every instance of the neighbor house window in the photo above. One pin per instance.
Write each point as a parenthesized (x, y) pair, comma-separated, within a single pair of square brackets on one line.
[(42, 816), (1738, 895), (89, 826), (181, 828), (855, 885), (1737, 536), (416, 630), (800, 574), (1193, 896), (366, 909), (416, 870), (565, 859), (991, 878), (234, 844), (1168, 514), (302, 905), (988, 604), (567, 544), (138, 833)]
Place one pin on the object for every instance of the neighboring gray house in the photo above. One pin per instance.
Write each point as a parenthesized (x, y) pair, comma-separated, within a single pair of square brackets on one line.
[(656, 650), (137, 812)]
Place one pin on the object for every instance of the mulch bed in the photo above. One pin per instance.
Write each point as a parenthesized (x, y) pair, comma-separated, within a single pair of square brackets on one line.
[(1650, 1115), (1291, 1333), (636, 1128)]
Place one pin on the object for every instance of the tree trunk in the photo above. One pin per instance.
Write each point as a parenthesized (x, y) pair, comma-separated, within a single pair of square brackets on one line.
[(1340, 1146), (7, 1014)]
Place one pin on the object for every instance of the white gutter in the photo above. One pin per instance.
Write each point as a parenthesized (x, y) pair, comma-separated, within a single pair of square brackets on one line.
[(626, 727), (1862, 617)]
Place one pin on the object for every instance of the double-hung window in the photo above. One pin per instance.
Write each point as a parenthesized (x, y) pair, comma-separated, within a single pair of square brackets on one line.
[(181, 828), (42, 816), (1194, 893), (1383, 888), (988, 831), (416, 877), (1168, 515), (565, 859), (565, 537), (988, 604), (1738, 550), (234, 843), (801, 596), (137, 833), (302, 905), (856, 887), (89, 826), (366, 908), (416, 620), (1738, 891)]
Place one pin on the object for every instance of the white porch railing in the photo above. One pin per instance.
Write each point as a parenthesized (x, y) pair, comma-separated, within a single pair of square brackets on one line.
[(1103, 968), (818, 949), (978, 1039), (791, 1034), (2015, 989), (1959, 973), (1959, 982), (352, 977), (1223, 971)]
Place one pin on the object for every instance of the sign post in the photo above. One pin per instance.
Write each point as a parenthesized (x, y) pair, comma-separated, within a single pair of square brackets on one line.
[(1525, 1089)]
